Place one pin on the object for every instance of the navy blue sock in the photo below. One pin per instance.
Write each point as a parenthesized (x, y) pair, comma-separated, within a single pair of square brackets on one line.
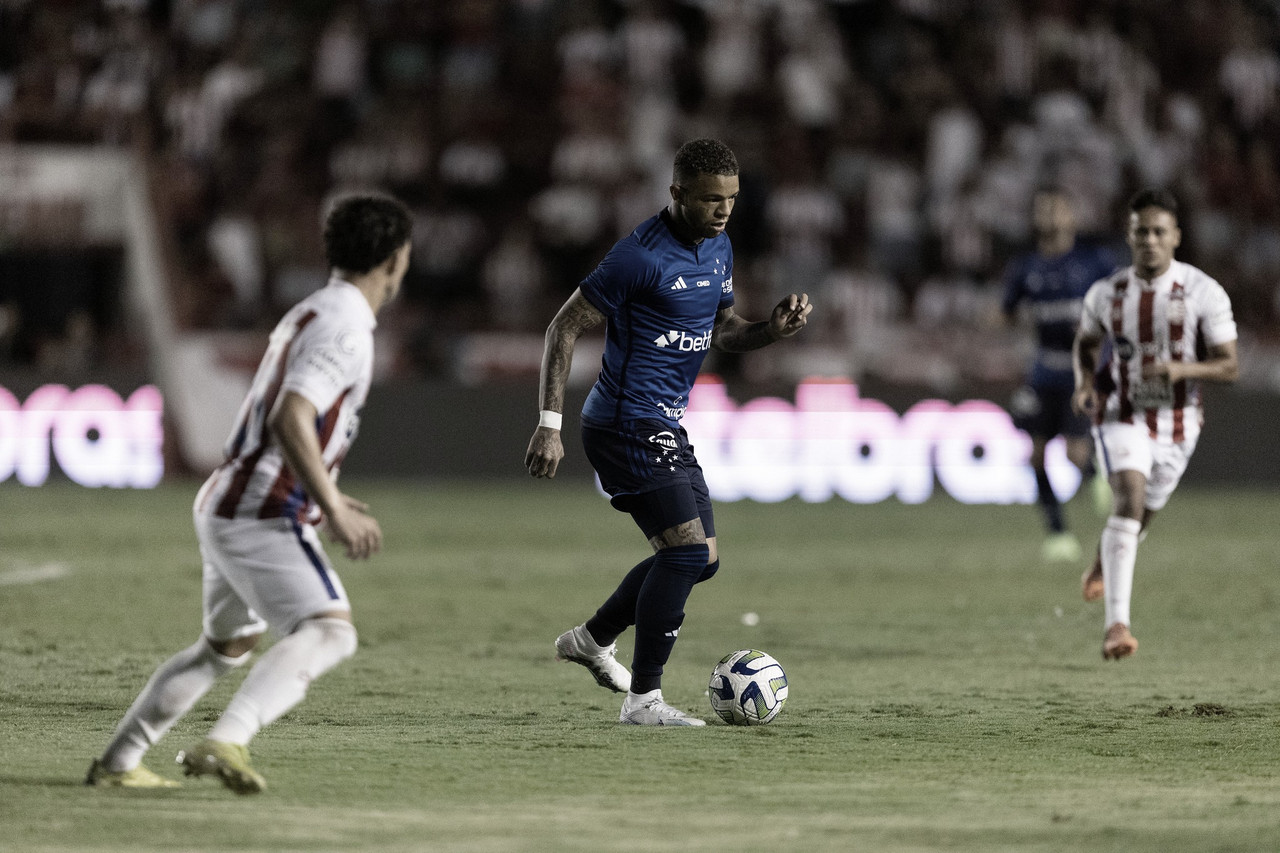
[(1049, 502), (618, 613), (660, 610), (1089, 470)]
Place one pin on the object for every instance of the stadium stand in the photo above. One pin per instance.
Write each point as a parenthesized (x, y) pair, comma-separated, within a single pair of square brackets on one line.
[(889, 150)]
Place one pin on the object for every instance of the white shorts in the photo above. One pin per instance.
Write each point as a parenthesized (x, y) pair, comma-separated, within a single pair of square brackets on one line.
[(272, 572), (1130, 447)]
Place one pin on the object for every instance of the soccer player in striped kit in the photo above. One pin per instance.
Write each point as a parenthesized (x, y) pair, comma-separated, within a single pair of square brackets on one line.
[(1170, 327), (666, 291), (264, 565)]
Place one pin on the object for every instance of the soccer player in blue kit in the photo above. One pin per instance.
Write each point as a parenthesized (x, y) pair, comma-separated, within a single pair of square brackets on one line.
[(1053, 280), (666, 292)]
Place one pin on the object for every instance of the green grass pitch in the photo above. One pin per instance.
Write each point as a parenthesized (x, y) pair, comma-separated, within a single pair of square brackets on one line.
[(946, 687)]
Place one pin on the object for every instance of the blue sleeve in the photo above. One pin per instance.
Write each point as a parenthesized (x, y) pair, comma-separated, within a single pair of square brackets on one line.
[(627, 271), (726, 289)]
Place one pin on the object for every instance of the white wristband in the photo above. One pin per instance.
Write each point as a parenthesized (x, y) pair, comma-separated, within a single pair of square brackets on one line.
[(550, 419)]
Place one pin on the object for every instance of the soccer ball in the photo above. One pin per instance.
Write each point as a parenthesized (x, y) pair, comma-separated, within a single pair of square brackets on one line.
[(747, 688)]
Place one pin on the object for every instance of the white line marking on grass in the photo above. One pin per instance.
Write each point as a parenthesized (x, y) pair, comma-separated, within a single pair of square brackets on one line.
[(34, 574)]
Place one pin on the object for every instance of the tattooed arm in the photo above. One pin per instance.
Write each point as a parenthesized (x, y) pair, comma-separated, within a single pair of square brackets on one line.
[(734, 334), (575, 317)]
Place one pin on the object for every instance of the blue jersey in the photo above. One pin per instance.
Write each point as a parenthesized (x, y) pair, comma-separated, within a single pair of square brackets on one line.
[(660, 296), (1054, 288)]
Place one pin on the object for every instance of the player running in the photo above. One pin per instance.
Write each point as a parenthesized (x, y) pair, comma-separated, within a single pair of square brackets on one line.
[(666, 292), (1053, 280), (1170, 327), (264, 565)]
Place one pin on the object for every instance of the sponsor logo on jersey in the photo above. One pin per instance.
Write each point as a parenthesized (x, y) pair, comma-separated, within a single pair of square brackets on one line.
[(683, 341), (727, 286), (680, 284), (706, 283), (1125, 348), (675, 412)]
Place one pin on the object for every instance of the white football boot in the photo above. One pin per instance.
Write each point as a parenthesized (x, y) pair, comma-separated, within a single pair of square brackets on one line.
[(576, 645), (648, 709)]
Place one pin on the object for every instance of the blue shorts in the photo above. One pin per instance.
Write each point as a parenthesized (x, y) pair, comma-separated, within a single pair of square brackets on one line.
[(648, 470), (1047, 412)]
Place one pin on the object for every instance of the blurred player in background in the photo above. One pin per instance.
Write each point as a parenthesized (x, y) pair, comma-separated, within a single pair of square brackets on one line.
[(666, 292), (264, 565), (1169, 326), (1052, 280)]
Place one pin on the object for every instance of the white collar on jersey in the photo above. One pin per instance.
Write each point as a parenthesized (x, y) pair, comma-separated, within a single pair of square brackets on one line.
[(1163, 281), (342, 283)]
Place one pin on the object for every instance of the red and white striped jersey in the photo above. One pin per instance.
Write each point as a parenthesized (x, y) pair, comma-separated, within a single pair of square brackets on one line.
[(1171, 318), (321, 349)]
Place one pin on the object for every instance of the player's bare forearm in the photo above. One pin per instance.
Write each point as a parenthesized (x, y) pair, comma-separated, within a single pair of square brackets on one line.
[(739, 335), (1084, 363), (1221, 365), (1084, 359), (574, 317), (731, 333), (292, 425)]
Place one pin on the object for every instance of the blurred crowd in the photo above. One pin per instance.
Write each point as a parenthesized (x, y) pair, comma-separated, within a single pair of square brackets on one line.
[(889, 148)]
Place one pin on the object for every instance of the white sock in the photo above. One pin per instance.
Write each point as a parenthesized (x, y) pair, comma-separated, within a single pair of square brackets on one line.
[(281, 676), (1119, 554), (172, 690), (636, 700)]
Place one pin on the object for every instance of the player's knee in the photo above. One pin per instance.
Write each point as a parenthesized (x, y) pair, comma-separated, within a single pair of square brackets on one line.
[(709, 572), (1128, 506), (687, 562), (339, 636)]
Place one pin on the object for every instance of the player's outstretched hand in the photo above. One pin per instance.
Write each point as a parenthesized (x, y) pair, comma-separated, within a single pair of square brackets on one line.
[(544, 453), (351, 526), (790, 315)]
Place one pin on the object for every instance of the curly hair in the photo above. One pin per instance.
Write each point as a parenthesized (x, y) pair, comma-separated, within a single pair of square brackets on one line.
[(363, 231), (703, 157)]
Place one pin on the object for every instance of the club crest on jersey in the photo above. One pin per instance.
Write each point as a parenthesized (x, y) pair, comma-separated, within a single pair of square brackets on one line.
[(683, 341)]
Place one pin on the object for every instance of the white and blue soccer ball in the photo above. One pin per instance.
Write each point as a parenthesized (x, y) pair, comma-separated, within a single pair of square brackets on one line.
[(747, 688)]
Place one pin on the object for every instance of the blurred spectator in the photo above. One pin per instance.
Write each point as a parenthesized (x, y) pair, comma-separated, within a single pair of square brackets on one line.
[(514, 280), (1250, 77), (884, 143), (812, 71)]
